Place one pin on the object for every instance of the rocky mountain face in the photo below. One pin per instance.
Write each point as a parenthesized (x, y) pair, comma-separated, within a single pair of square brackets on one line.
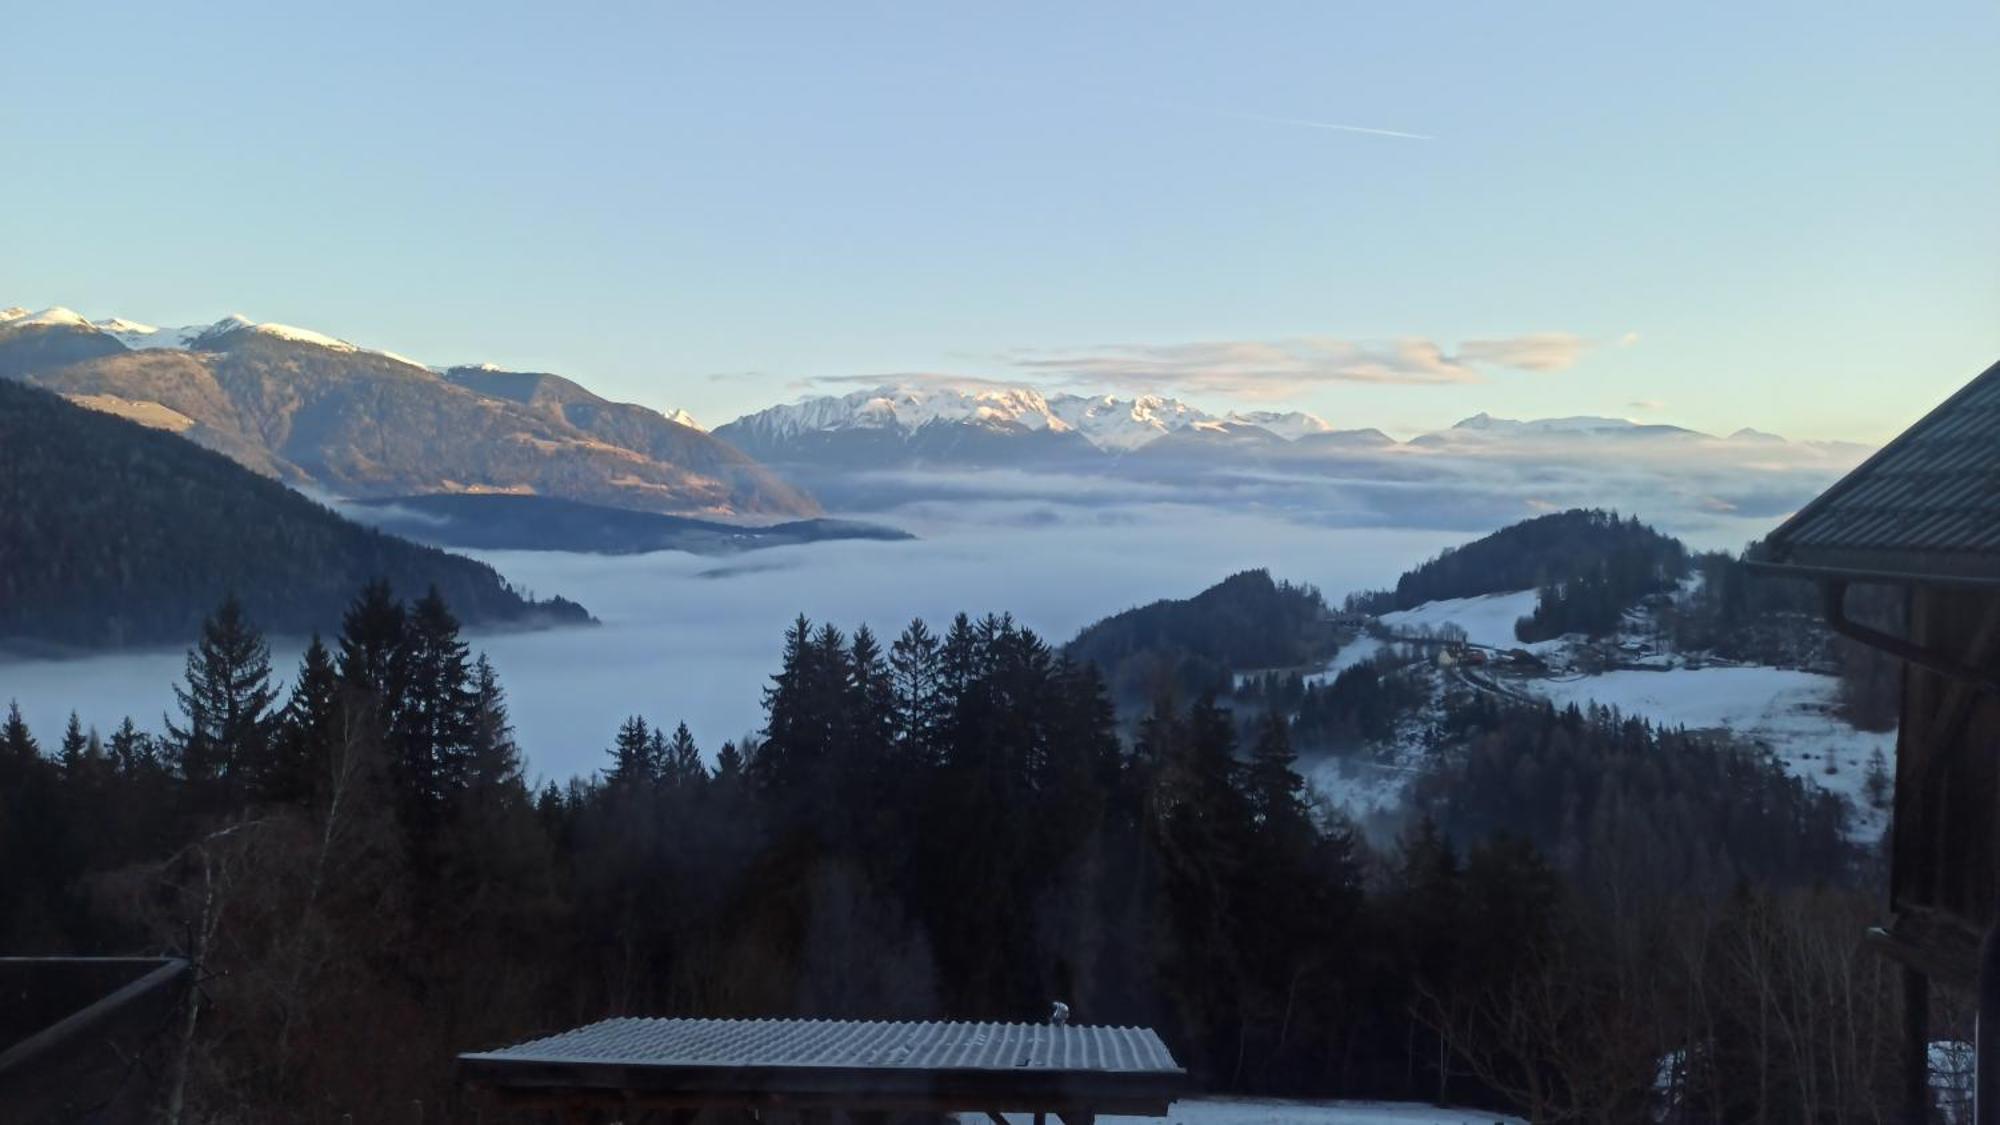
[(318, 412)]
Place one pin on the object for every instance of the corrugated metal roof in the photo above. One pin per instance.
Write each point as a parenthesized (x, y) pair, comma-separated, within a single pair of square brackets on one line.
[(851, 1044), (1929, 501)]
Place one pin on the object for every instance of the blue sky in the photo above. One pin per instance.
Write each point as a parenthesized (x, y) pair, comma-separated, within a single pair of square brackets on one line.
[(1771, 215)]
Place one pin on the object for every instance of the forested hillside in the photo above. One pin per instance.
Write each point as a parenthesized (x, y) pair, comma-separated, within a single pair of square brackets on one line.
[(1194, 644), (1589, 566), (944, 825), (114, 534)]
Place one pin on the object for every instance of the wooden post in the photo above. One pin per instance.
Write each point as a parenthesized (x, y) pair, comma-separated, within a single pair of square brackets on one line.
[(1916, 1047)]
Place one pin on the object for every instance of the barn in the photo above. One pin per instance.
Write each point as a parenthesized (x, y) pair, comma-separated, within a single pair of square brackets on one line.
[(1922, 518)]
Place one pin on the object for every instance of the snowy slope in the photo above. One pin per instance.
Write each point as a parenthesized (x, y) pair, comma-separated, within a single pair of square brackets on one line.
[(1113, 424), (904, 408), (1271, 1111), (1488, 620), (1120, 425), (1288, 424), (1789, 711)]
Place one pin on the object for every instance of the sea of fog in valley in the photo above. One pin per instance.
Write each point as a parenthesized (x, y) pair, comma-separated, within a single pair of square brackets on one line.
[(694, 638)]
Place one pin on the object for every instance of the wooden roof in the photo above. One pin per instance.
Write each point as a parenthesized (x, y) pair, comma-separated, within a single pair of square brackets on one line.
[(848, 1064), (1925, 506)]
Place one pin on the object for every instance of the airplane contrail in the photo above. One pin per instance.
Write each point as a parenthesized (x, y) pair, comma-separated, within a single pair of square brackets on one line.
[(1335, 126)]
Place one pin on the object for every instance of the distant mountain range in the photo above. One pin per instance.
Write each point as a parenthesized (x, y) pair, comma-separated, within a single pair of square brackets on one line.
[(323, 414), (901, 443), (902, 425), (908, 424), (318, 412)]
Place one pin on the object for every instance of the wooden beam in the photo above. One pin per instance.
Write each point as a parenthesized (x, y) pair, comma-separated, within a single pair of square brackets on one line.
[(1916, 1047)]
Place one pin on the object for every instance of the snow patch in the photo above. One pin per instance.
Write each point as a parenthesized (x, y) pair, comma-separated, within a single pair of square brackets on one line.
[(1488, 620), (53, 317), (1790, 712), (1273, 1111)]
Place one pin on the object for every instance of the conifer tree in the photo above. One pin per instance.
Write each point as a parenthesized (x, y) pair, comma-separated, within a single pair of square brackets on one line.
[(224, 737), (1276, 791), (631, 755), (71, 754), (728, 765), (916, 692), (373, 637), (681, 765), (20, 746), (495, 759), (312, 718), (131, 750), (433, 731)]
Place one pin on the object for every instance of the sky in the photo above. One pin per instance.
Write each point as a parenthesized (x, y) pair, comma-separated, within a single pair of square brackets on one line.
[(1394, 215)]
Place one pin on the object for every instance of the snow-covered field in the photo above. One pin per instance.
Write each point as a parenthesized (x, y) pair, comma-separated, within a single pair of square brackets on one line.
[(1789, 711), (1260, 1111), (1488, 620), (1353, 652)]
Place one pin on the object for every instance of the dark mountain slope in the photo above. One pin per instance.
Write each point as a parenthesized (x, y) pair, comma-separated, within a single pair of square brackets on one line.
[(114, 534)]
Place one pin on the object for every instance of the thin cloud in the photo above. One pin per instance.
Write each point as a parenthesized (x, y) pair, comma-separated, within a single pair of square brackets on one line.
[(941, 380), (1538, 351), (1647, 405), (1274, 369)]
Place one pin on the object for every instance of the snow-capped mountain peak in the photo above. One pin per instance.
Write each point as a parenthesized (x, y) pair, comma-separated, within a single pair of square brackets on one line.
[(1288, 424), (1121, 425), (53, 317), (139, 336), (908, 407), (682, 417), (237, 322)]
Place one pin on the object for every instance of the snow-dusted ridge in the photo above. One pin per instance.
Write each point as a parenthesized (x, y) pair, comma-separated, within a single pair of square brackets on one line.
[(1122, 425), (1110, 423), (139, 336)]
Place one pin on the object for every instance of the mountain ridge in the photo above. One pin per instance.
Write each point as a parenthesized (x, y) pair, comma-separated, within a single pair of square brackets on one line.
[(316, 411)]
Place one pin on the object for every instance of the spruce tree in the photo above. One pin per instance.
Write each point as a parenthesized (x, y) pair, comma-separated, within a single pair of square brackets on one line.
[(313, 716), (131, 750), (495, 760), (19, 745), (1276, 791), (71, 755), (682, 766), (433, 731), (916, 692), (224, 737), (631, 755), (373, 638)]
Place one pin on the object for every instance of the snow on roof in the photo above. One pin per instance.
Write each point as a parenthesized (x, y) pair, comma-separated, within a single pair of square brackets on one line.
[(849, 1044)]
